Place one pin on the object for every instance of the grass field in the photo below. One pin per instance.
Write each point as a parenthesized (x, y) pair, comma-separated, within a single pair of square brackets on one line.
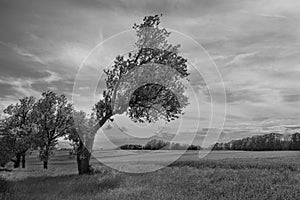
[(220, 175)]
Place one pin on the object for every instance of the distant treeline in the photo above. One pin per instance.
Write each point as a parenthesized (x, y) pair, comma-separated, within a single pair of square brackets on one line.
[(267, 142), (160, 145)]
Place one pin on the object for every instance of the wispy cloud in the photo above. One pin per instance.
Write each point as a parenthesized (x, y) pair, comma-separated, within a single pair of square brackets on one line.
[(50, 79), (21, 87), (255, 45), (23, 52), (273, 16), (24, 86), (239, 58)]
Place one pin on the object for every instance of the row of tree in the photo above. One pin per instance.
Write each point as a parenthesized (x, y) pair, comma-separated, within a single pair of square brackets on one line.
[(35, 124), (160, 145), (132, 88), (267, 142)]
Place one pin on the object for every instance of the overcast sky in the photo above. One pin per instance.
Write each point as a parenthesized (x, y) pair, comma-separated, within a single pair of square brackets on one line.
[(255, 44)]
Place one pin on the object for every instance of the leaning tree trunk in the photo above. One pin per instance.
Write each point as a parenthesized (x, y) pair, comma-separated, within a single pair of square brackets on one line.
[(85, 149), (83, 159), (84, 152)]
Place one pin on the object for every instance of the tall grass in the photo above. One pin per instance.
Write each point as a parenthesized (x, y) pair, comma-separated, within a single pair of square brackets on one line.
[(5, 188), (232, 179), (271, 164)]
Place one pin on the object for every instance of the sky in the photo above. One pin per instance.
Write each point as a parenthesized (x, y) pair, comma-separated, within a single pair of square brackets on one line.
[(255, 46)]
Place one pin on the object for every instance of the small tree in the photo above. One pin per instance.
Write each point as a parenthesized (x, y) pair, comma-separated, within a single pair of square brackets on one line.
[(149, 102), (53, 117), (19, 125)]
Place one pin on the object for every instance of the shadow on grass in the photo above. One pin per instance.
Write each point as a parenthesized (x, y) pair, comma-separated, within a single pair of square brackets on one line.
[(59, 186)]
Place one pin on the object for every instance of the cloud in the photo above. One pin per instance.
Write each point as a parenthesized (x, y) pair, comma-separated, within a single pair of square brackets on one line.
[(20, 86), (291, 98), (52, 78), (244, 96), (274, 16), (25, 86), (292, 127), (26, 53), (239, 58), (23, 52), (255, 45)]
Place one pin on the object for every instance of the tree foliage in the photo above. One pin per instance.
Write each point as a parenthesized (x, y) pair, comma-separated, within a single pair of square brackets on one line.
[(267, 142), (53, 117), (6, 149), (81, 130), (82, 136), (128, 89), (156, 144), (6, 143), (20, 127), (152, 48), (42, 123)]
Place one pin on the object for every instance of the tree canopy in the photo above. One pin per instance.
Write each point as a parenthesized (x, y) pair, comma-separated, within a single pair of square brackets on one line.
[(20, 127), (54, 118), (152, 98)]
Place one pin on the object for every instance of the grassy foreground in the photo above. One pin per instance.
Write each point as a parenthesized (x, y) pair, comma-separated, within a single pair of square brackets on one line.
[(232, 178)]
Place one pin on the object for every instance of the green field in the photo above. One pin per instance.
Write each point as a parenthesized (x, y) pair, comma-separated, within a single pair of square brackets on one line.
[(220, 175)]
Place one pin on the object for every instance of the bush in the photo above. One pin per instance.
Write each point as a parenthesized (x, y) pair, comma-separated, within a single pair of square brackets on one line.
[(131, 147), (6, 150), (155, 144), (160, 145)]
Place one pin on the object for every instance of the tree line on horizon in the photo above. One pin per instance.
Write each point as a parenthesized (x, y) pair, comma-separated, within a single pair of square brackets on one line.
[(267, 142), (156, 144)]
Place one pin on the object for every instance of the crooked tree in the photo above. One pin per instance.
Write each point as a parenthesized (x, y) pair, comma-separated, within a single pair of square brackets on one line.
[(128, 85)]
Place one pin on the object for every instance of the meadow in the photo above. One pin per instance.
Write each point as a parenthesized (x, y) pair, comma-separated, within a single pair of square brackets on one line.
[(220, 175)]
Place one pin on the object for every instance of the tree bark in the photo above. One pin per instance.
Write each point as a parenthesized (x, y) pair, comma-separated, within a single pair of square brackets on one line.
[(17, 161), (46, 156), (23, 161), (85, 149), (45, 164), (83, 159)]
